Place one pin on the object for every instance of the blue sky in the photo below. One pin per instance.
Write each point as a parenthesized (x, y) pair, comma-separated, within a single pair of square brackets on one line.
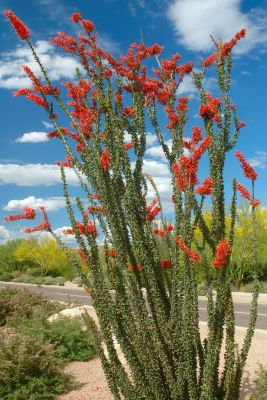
[(28, 174)]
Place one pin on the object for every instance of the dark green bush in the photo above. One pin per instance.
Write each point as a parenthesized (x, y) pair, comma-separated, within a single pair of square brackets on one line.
[(29, 370), (71, 343), (6, 277), (17, 305)]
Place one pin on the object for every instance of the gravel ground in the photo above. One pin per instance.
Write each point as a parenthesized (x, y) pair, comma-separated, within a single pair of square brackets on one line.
[(90, 383)]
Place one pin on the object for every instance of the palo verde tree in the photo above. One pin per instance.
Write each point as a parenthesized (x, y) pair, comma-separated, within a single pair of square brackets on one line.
[(157, 328)]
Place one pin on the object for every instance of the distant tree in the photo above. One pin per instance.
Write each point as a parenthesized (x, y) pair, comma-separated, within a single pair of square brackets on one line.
[(45, 253), (8, 261)]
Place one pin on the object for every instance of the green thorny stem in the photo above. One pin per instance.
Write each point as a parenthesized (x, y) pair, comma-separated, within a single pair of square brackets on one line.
[(152, 312)]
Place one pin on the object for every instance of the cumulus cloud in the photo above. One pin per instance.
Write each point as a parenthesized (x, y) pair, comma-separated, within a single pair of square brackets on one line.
[(58, 66), (34, 175), (194, 21), (32, 137), (4, 234), (260, 160), (50, 203)]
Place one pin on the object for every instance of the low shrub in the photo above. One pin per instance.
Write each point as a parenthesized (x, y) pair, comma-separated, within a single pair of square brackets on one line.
[(24, 278), (70, 341), (16, 305), (249, 287), (29, 370), (261, 382), (6, 277), (78, 281)]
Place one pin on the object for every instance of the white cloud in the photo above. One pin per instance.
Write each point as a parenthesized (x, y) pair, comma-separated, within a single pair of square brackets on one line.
[(4, 234), (57, 66), (34, 174), (47, 125), (157, 152), (260, 160), (32, 137), (50, 203), (187, 87), (194, 21)]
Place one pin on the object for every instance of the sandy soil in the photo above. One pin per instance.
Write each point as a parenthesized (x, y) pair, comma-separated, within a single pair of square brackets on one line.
[(90, 383)]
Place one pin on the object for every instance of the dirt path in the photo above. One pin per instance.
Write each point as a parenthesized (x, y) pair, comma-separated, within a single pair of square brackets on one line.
[(90, 383)]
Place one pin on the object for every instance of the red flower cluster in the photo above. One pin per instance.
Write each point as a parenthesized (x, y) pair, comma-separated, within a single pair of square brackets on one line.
[(87, 25), (246, 195), (163, 232), (138, 268), (21, 29), (205, 188), (221, 255), (84, 229), (196, 138), (128, 112), (152, 210), (83, 258), (247, 168), (29, 213), (105, 162), (185, 170), (68, 163), (226, 48), (111, 252), (45, 226), (128, 146), (166, 263), (182, 109), (209, 60), (210, 111), (92, 209), (65, 42), (76, 17), (193, 256)]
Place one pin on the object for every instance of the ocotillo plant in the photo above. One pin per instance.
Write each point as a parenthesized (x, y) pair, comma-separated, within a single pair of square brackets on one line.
[(153, 309)]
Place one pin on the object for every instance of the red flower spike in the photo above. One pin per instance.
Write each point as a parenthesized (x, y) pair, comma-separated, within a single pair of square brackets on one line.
[(221, 255), (205, 188), (244, 192), (209, 60), (29, 213), (105, 161), (128, 146), (83, 258), (247, 168), (21, 29), (159, 232), (76, 17), (166, 264), (169, 228), (87, 25), (193, 256), (111, 252), (39, 101), (68, 163)]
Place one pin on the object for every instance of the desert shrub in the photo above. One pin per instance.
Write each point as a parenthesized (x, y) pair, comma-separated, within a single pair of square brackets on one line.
[(29, 370), (78, 281), (17, 305), (70, 341), (60, 281), (24, 278), (249, 287), (6, 277)]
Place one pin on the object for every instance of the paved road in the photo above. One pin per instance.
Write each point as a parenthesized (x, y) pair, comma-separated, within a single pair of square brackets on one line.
[(78, 295)]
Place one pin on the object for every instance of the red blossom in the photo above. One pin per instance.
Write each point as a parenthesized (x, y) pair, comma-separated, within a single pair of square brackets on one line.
[(128, 146), (111, 252), (21, 29), (209, 60), (169, 228), (39, 101), (159, 232), (166, 263), (65, 42), (152, 210), (193, 256), (87, 25), (138, 268), (222, 253), (247, 168), (83, 258), (128, 112), (105, 162), (45, 226), (210, 110), (76, 17), (205, 188), (68, 163), (244, 192), (29, 213)]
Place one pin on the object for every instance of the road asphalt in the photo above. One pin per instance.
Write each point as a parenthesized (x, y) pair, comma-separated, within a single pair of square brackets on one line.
[(72, 295)]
